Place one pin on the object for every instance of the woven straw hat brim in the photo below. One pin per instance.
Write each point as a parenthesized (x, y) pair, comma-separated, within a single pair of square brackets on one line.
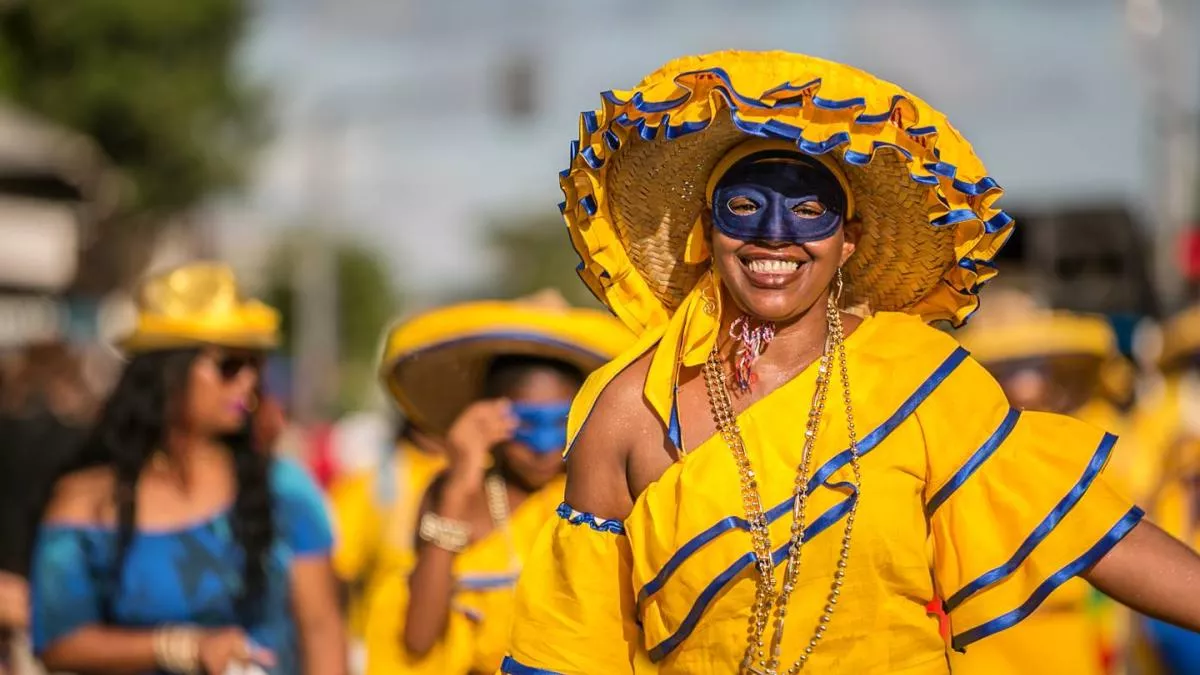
[(434, 365), (635, 186)]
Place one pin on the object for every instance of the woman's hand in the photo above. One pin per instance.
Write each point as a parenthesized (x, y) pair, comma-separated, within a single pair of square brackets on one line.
[(225, 646), (476, 431)]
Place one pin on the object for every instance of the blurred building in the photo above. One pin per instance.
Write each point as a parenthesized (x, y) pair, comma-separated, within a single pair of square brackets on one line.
[(54, 186)]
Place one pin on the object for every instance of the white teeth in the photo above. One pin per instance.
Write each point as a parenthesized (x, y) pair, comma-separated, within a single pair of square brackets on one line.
[(773, 266)]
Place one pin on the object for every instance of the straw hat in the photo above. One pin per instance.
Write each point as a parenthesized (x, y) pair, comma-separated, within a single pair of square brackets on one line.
[(434, 365), (1180, 338), (1014, 325), (635, 187), (199, 304)]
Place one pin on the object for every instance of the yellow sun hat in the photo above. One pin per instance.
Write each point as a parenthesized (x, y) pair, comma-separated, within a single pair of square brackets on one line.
[(1015, 326), (636, 205), (1180, 339), (434, 364), (199, 304)]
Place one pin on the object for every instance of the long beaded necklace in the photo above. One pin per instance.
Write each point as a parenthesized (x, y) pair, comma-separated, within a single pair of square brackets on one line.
[(768, 602), (497, 500)]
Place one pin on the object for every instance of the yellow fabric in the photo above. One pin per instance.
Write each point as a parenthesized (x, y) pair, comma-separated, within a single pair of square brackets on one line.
[(934, 411), (1163, 433), (196, 304), (480, 623), (777, 89), (375, 519)]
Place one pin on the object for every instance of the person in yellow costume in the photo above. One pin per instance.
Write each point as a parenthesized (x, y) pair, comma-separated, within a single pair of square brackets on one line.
[(374, 512), (789, 463), (1067, 363), (495, 380), (1166, 430)]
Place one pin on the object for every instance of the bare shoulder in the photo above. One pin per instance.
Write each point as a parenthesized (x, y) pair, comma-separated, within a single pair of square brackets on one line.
[(81, 497), (620, 426)]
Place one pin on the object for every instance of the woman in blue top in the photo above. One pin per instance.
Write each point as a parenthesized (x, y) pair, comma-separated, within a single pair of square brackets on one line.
[(183, 548)]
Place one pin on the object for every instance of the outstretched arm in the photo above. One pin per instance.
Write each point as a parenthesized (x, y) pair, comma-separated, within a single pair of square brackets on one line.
[(1153, 573)]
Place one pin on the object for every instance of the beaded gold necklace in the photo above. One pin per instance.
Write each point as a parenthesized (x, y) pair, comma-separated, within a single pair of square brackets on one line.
[(768, 602)]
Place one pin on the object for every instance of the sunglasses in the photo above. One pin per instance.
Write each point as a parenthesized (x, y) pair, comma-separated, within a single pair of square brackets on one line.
[(231, 365)]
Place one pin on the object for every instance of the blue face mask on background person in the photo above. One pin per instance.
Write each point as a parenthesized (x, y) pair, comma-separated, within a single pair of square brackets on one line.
[(542, 426), (796, 199)]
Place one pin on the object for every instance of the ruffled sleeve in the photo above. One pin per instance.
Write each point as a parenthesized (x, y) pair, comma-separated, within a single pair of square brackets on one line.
[(574, 612), (1017, 503)]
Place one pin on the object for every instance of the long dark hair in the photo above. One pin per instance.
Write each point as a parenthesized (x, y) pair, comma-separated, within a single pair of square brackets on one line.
[(143, 407)]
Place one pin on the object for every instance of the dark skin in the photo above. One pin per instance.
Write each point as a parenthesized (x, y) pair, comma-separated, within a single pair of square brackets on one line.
[(624, 446), (197, 481), (484, 429)]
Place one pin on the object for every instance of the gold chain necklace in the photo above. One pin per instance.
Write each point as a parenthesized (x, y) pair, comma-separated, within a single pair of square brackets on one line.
[(768, 602), (497, 499)]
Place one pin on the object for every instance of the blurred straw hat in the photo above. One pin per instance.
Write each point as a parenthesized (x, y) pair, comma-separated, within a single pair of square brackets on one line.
[(434, 364), (636, 201), (1014, 326), (198, 304), (1180, 338)]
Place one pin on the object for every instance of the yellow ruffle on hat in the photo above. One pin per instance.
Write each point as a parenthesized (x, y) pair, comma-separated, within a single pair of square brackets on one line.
[(636, 205), (199, 304), (434, 364)]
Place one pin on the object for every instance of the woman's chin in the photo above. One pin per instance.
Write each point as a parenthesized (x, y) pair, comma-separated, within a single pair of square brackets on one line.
[(772, 306)]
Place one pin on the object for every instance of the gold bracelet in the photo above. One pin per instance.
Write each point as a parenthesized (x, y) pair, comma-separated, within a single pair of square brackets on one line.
[(444, 533), (177, 650)]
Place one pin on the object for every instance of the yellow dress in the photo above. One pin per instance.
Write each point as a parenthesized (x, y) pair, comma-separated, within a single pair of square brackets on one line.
[(481, 611), (961, 498), (375, 513)]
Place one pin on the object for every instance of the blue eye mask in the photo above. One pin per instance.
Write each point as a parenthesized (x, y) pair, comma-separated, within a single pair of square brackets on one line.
[(542, 426), (778, 196)]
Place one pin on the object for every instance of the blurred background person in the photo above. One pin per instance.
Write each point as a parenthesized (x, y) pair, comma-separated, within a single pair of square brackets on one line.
[(185, 547), (375, 514), (495, 379), (1067, 363), (1166, 427), (46, 402)]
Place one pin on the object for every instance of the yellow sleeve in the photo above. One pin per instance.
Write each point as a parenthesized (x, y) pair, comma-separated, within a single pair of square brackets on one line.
[(1017, 503), (357, 525), (574, 612)]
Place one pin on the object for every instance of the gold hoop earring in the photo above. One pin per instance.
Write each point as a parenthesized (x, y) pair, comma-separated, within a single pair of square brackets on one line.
[(840, 283)]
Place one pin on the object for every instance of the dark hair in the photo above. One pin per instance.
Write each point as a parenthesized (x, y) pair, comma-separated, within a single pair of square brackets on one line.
[(143, 407), (506, 372)]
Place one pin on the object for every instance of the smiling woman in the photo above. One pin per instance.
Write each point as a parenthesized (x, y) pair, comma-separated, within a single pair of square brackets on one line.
[(790, 224), (182, 546)]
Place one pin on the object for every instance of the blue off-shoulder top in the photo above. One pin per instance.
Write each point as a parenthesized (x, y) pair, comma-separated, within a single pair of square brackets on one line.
[(190, 575)]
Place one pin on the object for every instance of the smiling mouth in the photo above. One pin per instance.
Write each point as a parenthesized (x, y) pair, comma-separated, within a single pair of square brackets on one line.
[(773, 272)]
